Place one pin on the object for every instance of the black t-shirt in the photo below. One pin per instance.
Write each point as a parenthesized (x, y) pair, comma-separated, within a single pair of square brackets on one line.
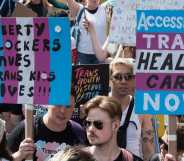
[(47, 142), (122, 158)]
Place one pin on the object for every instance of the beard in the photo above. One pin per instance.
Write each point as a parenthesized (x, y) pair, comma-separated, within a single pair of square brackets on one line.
[(99, 141)]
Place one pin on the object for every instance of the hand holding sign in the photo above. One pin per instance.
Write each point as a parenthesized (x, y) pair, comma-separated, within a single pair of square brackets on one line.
[(26, 149), (88, 26)]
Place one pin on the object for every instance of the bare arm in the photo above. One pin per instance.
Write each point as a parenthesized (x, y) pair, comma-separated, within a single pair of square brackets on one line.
[(120, 52), (147, 137), (101, 52), (73, 7)]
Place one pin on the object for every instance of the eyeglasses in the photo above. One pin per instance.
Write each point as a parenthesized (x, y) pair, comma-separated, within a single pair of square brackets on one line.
[(120, 77), (97, 124)]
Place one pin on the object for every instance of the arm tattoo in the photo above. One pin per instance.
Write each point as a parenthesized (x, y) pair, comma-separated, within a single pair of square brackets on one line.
[(148, 136)]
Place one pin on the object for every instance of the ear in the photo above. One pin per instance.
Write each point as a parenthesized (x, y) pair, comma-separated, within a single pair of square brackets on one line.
[(116, 125), (110, 84)]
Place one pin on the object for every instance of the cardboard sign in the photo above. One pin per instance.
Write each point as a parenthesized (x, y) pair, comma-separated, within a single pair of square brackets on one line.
[(35, 61), (160, 62), (89, 81), (124, 17)]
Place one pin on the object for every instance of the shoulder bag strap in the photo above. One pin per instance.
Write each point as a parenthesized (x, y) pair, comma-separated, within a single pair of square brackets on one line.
[(122, 132), (80, 15), (130, 108)]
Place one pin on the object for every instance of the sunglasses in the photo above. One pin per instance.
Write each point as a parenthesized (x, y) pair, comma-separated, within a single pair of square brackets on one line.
[(97, 124), (120, 77)]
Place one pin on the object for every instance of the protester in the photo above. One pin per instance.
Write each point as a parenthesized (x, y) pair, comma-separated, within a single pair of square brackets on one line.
[(40, 7), (101, 52), (94, 12), (125, 52), (102, 123), (75, 153), (4, 152), (58, 4), (157, 157), (137, 137), (52, 133), (180, 144), (7, 7), (12, 114)]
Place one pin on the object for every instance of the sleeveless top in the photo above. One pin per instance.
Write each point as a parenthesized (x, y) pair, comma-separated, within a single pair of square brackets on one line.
[(134, 143)]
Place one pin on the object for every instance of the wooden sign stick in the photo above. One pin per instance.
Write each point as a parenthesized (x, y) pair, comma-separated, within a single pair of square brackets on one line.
[(172, 135), (29, 125)]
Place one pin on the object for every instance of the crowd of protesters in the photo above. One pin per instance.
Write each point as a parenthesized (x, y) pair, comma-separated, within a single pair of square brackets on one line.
[(112, 130)]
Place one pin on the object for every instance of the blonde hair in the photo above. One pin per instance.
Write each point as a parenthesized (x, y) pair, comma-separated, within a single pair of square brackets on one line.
[(75, 153), (104, 103), (129, 62)]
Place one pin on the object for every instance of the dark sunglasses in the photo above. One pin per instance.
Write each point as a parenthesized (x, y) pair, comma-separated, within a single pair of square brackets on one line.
[(97, 124), (120, 77)]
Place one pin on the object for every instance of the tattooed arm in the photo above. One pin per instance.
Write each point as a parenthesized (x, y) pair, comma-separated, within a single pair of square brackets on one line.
[(147, 137)]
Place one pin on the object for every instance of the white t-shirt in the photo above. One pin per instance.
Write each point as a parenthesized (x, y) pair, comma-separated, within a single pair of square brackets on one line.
[(134, 143), (99, 21)]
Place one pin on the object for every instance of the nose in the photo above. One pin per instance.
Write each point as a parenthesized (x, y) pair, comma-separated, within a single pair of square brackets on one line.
[(123, 80), (91, 127)]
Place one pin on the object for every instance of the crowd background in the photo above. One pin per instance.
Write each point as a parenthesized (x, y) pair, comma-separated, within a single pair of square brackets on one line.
[(110, 124)]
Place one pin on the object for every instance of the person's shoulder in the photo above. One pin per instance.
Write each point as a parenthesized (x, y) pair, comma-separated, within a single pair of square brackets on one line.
[(81, 7), (21, 124), (102, 6), (127, 155), (19, 128), (75, 125), (78, 131)]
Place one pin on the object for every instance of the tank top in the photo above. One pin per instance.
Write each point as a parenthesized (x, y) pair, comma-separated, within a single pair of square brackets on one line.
[(134, 143)]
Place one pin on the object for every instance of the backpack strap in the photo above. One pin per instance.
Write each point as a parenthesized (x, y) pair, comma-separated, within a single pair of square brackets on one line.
[(78, 18), (80, 15), (122, 132), (127, 156)]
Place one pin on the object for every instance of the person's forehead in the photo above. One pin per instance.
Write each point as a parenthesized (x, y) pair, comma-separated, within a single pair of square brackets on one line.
[(121, 67), (97, 114)]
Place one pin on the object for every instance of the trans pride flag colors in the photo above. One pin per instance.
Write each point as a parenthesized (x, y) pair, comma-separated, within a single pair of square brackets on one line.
[(35, 61), (160, 62)]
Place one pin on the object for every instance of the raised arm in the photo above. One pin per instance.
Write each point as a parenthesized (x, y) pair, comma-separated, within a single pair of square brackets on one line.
[(73, 7), (100, 52), (147, 137)]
